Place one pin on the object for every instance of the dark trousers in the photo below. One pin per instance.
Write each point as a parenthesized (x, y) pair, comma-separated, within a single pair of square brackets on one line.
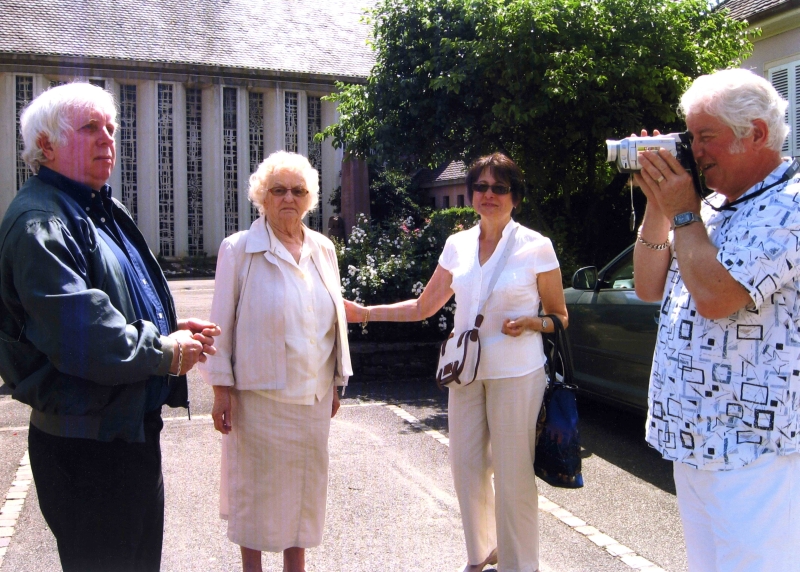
[(104, 502)]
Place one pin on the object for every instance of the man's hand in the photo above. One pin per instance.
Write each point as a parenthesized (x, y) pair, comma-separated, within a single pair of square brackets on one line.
[(665, 181), (204, 332), (188, 354)]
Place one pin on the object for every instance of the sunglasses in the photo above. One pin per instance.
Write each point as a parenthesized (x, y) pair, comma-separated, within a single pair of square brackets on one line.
[(496, 189), (298, 192)]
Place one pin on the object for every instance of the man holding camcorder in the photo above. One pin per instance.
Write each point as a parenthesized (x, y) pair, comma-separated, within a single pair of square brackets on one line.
[(724, 400)]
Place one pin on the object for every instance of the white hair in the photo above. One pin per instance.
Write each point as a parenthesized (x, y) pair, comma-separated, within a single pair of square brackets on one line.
[(49, 115), (279, 161), (737, 97)]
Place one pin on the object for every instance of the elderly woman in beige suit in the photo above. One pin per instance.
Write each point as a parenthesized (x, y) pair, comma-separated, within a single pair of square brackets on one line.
[(281, 355)]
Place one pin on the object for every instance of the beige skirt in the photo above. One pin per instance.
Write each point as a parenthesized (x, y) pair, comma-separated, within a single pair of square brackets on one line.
[(274, 480)]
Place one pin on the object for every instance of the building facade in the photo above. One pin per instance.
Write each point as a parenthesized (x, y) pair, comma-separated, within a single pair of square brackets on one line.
[(445, 186), (776, 53), (196, 115)]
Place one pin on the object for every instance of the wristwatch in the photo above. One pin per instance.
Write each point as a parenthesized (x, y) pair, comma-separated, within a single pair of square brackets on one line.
[(544, 324), (683, 219)]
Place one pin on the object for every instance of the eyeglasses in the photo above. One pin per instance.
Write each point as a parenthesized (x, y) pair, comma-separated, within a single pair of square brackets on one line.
[(297, 192), (496, 189)]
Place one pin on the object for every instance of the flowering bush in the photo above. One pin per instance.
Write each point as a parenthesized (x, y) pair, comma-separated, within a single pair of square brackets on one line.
[(392, 261)]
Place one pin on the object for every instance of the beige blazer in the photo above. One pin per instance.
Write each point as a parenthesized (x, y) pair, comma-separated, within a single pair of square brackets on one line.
[(248, 307)]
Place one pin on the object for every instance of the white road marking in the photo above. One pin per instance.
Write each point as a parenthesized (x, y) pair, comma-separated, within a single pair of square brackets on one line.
[(13, 503), (614, 548)]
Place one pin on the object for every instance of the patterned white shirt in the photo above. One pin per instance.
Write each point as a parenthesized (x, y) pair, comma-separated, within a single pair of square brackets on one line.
[(725, 392)]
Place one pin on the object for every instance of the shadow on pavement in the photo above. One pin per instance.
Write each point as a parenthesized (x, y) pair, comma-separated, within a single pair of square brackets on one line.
[(617, 436), (612, 434)]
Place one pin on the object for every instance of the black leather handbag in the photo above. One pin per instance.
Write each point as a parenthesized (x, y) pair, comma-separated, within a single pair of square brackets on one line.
[(558, 450)]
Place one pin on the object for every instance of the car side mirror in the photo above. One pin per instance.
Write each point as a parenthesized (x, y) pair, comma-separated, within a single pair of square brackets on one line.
[(585, 278)]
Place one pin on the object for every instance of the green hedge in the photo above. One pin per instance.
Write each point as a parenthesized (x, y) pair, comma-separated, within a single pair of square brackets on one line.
[(392, 261)]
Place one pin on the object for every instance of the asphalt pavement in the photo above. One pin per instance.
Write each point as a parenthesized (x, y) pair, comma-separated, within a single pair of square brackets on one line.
[(391, 503)]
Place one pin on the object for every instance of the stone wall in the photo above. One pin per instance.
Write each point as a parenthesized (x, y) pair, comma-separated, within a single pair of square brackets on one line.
[(381, 362)]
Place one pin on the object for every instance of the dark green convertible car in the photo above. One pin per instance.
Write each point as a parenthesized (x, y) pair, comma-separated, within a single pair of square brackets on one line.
[(612, 333)]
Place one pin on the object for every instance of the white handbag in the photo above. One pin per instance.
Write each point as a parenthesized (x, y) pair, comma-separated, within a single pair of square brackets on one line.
[(460, 354)]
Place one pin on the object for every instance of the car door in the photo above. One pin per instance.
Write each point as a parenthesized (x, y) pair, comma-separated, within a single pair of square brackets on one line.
[(613, 334)]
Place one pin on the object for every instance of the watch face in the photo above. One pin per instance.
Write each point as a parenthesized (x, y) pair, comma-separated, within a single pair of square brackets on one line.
[(685, 218)]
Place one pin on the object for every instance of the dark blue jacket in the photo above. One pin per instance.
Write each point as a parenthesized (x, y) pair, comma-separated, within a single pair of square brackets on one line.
[(70, 344)]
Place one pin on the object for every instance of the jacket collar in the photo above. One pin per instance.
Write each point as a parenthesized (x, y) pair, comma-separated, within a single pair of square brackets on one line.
[(261, 239)]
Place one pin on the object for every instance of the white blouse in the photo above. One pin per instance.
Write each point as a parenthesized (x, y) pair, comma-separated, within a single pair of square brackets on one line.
[(515, 295), (310, 328)]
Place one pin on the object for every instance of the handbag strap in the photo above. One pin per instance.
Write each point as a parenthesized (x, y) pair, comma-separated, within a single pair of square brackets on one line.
[(560, 348), (497, 271)]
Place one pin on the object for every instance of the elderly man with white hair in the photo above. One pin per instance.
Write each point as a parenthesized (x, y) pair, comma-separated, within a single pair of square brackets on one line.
[(89, 339), (724, 401)]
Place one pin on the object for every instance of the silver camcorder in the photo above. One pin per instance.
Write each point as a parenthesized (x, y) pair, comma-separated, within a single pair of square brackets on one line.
[(625, 153)]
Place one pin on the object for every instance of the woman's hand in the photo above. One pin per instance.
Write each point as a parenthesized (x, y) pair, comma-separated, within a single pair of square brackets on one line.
[(517, 326), (355, 312), (221, 411), (336, 403)]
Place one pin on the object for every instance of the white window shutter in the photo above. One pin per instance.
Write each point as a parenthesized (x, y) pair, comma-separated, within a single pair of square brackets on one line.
[(786, 81), (794, 104)]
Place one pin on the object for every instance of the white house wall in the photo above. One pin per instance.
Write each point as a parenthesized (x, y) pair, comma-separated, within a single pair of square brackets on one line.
[(773, 51), (212, 146)]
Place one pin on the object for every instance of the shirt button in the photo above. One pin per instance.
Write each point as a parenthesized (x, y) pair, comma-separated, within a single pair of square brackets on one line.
[(313, 342), (93, 195), (102, 219), (87, 209)]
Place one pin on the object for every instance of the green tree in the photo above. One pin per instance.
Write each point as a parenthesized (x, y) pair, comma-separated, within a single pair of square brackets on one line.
[(547, 81)]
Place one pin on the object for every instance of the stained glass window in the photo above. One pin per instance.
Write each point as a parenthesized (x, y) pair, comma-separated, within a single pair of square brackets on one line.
[(166, 194), (126, 152), (315, 153), (230, 160), (24, 95), (194, 170), (256, 117)]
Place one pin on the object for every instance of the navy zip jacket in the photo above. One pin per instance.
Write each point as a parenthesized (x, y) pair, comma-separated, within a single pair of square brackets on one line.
[(70, 344)]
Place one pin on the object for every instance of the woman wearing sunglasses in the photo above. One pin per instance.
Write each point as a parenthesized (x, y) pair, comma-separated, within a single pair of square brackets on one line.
[(283, 352), (492, 421)]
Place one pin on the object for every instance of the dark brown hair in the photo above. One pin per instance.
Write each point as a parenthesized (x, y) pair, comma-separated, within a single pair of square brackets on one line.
[(503, 169)]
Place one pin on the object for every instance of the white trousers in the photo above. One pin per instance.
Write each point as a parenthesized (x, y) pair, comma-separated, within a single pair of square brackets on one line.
[(745, 520), (492, 425)]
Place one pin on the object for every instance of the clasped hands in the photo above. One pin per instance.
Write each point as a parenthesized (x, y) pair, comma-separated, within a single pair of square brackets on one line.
[(196, 339)]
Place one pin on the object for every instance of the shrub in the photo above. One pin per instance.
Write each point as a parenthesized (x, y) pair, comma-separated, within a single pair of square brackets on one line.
[(392, 261)]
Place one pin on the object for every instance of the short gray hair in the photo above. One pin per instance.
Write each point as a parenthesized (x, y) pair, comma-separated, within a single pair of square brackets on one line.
[(48, 115), (278, 161), (737, 97)]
